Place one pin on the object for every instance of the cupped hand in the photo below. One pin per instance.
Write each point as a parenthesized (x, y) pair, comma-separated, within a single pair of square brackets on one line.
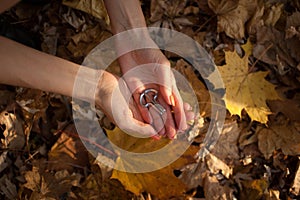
[(149, 68), (110, 99)]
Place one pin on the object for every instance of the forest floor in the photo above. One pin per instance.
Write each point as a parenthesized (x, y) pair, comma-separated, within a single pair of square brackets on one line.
[(254, 44)]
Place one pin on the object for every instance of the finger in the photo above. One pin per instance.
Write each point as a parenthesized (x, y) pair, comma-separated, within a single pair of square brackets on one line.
[(158, 122), (188, 110), (178, 109), (169, 121), (144, 112), (165, 76), (137, 128)]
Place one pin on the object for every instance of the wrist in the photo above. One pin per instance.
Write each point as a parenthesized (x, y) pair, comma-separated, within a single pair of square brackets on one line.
[(86, 84)]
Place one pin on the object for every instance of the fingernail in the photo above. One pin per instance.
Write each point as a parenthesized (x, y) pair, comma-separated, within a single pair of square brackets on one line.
[(172, 100)]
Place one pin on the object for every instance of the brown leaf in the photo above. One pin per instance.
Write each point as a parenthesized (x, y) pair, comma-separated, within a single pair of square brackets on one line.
[(213, 190), (8, 188), (293, 41), (295, 188), (226, 148), (271, 48), (83, 42), (6, 97), (222, 6), (68, 152), (14, 137), (279, 136), (232, 15), (93, 7), (289, 107), (253, 189), (49, 185)]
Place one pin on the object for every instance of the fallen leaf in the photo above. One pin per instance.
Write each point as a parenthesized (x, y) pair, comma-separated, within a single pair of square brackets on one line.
[(4, 161), (278, 136), (161, 183), (68, 153), (226, 148), (93, 7), (253, 189), (83, 42), (8, 188), (46, 185), (213, 190), (169, 14), (273, 195), (232, 15), (272, 14), (289, 107), (246, 90), (6, 97), (14, 137), (271, 48), (295, 188), (215, 165), (293, 40)]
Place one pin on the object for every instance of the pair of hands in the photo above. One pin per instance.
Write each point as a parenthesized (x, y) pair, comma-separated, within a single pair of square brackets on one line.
[(143, 69)]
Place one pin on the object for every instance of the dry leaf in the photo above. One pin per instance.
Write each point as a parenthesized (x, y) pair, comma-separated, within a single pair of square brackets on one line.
[(6, 97), (232, 15), (95, 8), (271, 48), (8, 188), (83, 42), (279, 136), (14, 137), (246, 90), (213, 190), (68, 152), (295, 188), (169, 14), (289, 107), (161, 183), (226, 148), (293, 40), (215, 165), (46, 185), (253, 189)]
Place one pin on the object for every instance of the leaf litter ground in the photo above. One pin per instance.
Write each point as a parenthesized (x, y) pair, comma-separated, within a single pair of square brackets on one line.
[(257, 154)]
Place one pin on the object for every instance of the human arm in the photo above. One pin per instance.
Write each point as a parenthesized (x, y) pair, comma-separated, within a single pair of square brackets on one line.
[(26, 67)]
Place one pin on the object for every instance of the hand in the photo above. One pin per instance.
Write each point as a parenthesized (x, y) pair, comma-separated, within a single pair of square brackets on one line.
[(109, 98), (149, 68)]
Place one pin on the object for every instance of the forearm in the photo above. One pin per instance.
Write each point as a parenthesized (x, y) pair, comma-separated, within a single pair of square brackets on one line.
[(26, 67), (125, 14)]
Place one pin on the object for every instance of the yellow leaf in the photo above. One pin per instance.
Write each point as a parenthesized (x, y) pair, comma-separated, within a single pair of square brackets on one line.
[(248, 48), (246, 90), (161, 183)]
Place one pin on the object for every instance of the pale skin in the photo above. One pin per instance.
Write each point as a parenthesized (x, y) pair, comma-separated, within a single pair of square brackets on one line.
[(26, 67)]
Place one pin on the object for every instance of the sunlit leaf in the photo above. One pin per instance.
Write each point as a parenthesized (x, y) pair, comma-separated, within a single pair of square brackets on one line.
[(246, 90)]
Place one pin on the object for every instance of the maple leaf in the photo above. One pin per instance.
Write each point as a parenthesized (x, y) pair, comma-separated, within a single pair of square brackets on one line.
[(232, 15), (246, 90), (162, 183)]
